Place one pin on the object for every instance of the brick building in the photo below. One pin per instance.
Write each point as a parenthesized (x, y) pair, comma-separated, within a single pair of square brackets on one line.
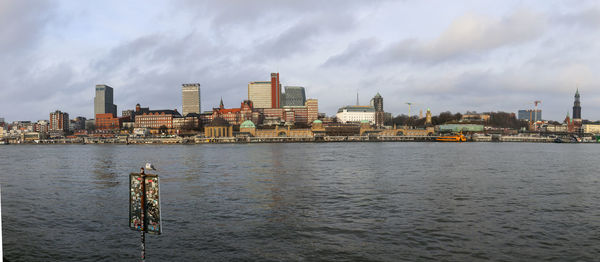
[(156, 119), (109, 122), (59, 121)]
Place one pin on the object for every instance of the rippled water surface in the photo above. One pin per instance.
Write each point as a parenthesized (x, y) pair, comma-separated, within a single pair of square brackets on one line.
[(307, 202)]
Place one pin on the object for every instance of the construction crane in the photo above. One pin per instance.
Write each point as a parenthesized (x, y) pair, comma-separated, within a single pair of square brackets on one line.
[(409, 104)]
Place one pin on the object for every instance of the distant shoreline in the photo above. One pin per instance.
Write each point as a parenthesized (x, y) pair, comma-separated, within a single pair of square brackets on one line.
[(261, 140)]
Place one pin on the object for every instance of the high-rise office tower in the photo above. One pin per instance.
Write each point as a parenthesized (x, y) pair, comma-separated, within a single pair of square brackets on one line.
[(265, 94), (103, 101), (190, 94), (577, 108), (293, 96)]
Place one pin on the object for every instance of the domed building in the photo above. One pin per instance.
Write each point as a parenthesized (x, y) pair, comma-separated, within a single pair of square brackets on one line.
[(317, 128), (218, 127), (248, 128)]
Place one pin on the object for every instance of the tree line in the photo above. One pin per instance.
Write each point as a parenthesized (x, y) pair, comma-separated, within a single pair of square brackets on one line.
[(496, 119)]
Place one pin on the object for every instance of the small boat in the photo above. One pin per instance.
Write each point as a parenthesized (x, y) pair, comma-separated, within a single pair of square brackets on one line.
[(452, 138)]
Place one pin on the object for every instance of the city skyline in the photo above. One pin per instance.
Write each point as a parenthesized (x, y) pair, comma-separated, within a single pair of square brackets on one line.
[(471, 56)]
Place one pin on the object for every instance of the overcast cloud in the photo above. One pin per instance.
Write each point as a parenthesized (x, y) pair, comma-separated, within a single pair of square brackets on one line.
[(468, 55)]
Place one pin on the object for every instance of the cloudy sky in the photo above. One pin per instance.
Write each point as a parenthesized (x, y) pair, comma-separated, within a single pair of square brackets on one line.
[(445, 55)]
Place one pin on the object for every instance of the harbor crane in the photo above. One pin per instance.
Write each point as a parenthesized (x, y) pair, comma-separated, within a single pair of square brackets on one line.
[(409, 104)]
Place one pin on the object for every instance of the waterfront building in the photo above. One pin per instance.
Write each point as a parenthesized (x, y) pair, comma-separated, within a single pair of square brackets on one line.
[(555, 128), (59, 122), (190, 94), (109, 122), (187, 123), (591, 128), (293, 96), (455, 128), (577, 108), (356, 114), (265, 94), (377, 103), (157, 120), (103, 101), (218, 127), (248, 128), (530, 115)]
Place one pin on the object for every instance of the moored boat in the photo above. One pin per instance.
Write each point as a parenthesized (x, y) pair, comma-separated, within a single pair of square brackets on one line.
[(452, 138)]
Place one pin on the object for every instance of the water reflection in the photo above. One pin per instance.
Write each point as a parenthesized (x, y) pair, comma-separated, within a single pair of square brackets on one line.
[(289, 202), (104, 171)]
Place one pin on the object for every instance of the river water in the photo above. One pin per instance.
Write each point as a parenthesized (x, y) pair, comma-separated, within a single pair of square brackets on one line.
[(307, 202)]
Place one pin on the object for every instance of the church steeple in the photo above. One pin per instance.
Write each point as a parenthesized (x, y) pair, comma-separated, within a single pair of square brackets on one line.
[(221, 104), (577, 107)]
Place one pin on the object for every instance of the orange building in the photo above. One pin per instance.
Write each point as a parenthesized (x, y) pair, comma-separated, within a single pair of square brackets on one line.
[(109, 122)]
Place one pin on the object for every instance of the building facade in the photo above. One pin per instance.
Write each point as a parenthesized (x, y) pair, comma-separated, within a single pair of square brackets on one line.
[(265, 94), (293, 96), (41, 126), (260, 94), (530, 115), (356, 114), (591, 128), (156, 119), (108, 122), (312, 107), (59, 121), (190, 98), (218, 127), (103, 101), (377, 102)]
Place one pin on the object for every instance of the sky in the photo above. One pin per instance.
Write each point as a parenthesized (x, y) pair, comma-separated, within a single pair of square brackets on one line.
[(444, 55)]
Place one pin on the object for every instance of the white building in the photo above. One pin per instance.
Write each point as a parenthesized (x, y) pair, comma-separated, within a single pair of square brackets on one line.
[(591, 128), (191, 98), (349, 114)]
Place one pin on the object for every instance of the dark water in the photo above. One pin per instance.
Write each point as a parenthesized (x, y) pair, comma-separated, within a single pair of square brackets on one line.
[(307, 202)]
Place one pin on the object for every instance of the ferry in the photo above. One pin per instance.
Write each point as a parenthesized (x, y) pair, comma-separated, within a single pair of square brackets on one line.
[(452, 138)]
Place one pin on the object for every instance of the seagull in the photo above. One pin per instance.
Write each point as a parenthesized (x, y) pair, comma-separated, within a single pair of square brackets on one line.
[(149, 166)]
